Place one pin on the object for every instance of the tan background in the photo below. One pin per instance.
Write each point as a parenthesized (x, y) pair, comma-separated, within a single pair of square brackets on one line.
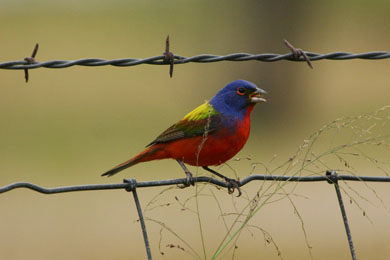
[(67, 126)]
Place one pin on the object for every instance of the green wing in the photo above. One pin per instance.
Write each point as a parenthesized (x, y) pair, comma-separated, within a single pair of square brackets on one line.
[(195, 123)]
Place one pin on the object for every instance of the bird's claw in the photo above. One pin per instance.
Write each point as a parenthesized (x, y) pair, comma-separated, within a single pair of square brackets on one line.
[(189, 181), (233, 184)]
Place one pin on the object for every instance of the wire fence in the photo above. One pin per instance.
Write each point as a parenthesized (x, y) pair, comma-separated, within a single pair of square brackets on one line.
[(168, 58), (131, 185)]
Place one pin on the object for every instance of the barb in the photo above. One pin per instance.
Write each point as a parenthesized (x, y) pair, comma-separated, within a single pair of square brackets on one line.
[(204, 179), (297, 52), (30, 60), (169, 57)]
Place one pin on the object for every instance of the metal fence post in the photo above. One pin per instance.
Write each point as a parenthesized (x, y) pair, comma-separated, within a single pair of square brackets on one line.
[(333, 179), (132, 187)]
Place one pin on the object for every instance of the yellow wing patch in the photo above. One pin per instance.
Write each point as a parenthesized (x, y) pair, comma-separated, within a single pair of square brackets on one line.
[(201, 112)]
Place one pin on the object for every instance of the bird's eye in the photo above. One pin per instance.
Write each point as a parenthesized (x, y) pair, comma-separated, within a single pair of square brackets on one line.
[(241, 91)]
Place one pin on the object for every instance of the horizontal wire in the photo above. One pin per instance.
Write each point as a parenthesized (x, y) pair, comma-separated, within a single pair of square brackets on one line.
[(203, 179), (203, 58)]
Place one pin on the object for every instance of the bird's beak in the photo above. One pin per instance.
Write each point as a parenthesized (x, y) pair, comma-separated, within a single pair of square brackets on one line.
[(257, 96)]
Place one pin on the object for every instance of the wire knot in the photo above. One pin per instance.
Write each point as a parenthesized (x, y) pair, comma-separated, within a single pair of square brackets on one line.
[(132, 184), (332, 176)]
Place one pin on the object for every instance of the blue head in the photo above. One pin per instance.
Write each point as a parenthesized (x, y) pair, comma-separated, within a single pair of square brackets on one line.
[(237, 97)]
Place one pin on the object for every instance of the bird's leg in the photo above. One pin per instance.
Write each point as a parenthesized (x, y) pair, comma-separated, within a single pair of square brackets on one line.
[(231, 183), (190, 180)]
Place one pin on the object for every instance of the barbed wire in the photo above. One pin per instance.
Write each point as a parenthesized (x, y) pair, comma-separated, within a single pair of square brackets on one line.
[(131, 184), (202, 58), (168, 58)]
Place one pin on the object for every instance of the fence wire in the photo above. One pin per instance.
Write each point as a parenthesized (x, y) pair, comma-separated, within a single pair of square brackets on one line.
[(202, 58), (131, 184), (182, 181), (168, 58)]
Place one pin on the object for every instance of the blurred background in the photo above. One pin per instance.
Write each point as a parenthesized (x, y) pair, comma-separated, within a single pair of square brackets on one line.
[(67, 126)]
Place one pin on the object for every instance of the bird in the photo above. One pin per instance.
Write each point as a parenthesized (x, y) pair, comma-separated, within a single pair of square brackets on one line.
[(209, 135)]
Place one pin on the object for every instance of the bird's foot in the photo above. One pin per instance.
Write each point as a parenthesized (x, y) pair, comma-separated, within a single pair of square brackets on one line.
[(189, 180), (233, 184)]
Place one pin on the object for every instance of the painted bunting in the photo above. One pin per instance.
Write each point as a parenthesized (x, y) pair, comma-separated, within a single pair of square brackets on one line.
[(209, 135)]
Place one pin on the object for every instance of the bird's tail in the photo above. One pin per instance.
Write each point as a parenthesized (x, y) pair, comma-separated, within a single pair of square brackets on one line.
[(146, 155)]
